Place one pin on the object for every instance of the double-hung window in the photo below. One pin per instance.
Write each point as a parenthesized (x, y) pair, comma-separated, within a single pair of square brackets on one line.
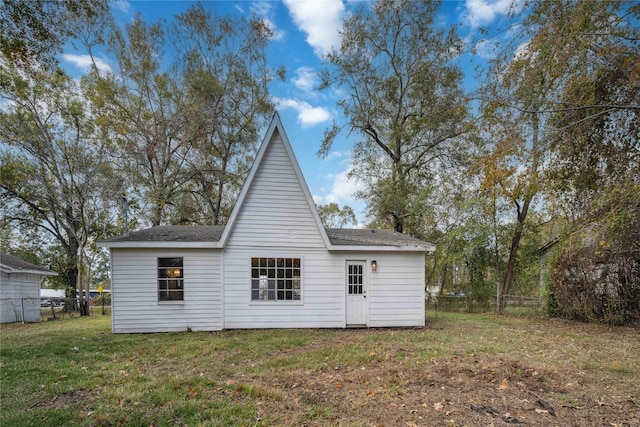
[(275, 279), (170, 279)]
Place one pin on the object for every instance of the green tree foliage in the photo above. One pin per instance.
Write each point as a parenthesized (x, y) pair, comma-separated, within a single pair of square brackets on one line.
[(56, 174), (561, 109), (33, 32), (333, 216), (185, 133), (403, 98), (141, 114), (226, 76)]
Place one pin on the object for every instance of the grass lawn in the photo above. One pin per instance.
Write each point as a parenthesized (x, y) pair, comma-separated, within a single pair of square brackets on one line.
[(458, 370)]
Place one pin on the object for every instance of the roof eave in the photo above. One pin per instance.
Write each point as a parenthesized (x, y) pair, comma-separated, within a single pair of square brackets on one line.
[(377, 248), (134, 244), (11, 270)]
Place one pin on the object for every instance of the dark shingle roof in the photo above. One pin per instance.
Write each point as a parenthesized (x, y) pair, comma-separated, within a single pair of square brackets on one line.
[(337, 236), (173, 233), (15, 263), (364, 237)]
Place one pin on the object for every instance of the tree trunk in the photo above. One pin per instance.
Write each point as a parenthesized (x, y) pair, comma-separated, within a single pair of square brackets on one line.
[(510, 271), (509, 274)]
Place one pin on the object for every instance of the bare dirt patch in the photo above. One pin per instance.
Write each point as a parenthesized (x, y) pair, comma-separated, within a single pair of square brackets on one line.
[(63, 400), (396, 386)]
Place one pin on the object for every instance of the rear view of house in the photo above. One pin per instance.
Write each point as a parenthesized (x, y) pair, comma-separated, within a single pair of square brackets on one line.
[(273, 265)]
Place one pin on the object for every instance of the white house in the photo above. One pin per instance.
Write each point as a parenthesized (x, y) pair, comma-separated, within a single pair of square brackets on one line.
[(273, 265), (20, 289)]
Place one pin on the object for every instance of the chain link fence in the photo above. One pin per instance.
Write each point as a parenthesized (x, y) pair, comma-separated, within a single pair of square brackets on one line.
[(514, 304)]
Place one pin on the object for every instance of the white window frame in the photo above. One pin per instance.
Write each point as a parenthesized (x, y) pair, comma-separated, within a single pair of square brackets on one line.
[(167, 274), (272, 276)]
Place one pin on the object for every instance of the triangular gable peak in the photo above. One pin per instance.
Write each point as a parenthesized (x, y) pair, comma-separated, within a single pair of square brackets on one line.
[(275, 132)]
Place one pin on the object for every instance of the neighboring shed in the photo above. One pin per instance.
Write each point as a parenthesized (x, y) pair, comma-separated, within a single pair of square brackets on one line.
[(272, 266), (20, 289)]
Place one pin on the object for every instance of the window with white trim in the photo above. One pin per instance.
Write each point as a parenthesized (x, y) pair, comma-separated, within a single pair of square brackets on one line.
[(275, 279), (170, 279)]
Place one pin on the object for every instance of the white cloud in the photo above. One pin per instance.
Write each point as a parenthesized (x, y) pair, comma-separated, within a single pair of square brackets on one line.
[(308, 115), (483, 12), (320, 20), (522, 51), (343, 189), (336, 155), (306, 79), (122, 5), (486, 49), (84, 62)]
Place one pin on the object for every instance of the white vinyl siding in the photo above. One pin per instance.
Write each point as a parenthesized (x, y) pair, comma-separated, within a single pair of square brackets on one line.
[(19, 297), (276, 220), (135, 291), (396, 294), (275, 212), (322, 298)]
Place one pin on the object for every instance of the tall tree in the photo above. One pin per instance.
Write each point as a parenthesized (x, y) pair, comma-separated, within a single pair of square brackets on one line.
[(224, 65), (596, 47), (403, 98), (333, 216), (558, 95), (514, 95), (141, 112), (186, 125), (55, 167)]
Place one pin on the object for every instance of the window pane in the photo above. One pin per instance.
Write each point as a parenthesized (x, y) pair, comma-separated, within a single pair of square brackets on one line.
[(274, 279), (170, 279), (169, 262)]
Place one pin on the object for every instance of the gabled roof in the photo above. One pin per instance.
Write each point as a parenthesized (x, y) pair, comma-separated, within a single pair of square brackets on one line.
[(368, 238), (274, 127), (209, 236), (168, 236), (11, 264), (217, 236)]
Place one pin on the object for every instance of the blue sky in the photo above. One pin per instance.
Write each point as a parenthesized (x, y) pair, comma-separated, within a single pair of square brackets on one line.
[(305, 30)]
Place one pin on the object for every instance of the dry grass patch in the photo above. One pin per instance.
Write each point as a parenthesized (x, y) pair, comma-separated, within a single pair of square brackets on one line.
[(459, 370)]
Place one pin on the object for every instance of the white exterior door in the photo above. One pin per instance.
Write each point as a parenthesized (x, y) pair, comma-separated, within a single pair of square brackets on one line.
[(356, 293)]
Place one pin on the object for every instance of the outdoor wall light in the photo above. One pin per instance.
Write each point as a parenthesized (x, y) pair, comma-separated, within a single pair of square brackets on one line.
[(374, 265)]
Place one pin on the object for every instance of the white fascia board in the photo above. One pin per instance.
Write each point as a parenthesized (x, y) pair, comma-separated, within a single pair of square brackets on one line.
[(160, 245), (10, 270), (345, 248)]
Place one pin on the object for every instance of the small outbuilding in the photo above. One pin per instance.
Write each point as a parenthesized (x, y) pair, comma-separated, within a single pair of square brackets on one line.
[(20, 289), (274, 265)]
